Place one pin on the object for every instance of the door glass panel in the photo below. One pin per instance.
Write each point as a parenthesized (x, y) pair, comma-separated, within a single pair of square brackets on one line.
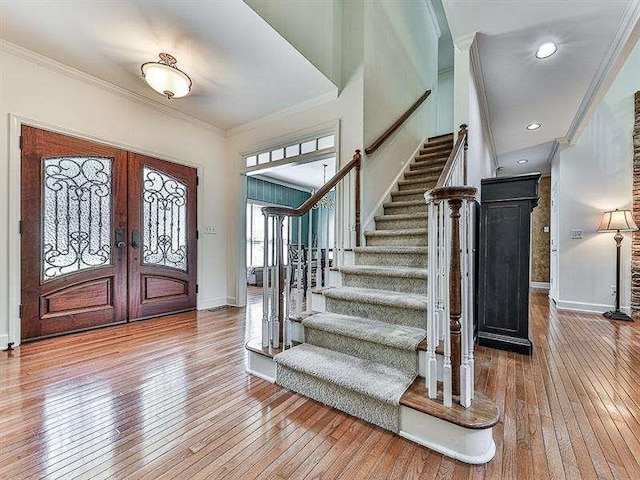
[(76, 226), (164, 226)]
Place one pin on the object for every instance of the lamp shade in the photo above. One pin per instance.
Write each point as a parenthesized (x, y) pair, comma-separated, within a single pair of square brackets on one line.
[(617, 220), (165, 78)]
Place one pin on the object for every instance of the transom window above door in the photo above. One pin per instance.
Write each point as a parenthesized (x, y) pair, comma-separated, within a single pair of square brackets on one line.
[(321, 144)]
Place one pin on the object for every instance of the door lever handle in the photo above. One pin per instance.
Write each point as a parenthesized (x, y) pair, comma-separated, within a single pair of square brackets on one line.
[(135, 238)]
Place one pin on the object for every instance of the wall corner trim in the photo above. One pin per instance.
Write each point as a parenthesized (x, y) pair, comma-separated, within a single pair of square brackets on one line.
[(476, 70), (625, 37), (434, 18)]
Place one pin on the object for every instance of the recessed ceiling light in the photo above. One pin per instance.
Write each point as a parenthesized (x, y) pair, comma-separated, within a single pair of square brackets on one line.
[(534, 126), (546, 50), (524, 160)]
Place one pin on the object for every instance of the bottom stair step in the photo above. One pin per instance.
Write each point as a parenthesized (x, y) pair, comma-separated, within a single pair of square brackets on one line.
[(363, 388)]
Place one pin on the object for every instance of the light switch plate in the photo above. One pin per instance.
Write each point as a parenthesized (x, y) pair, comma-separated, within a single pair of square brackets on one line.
[(577, 234), (546, 229), (210, 230)]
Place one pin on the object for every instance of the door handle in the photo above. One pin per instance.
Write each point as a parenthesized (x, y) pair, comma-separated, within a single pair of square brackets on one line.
[(120, 243), (135, 238)]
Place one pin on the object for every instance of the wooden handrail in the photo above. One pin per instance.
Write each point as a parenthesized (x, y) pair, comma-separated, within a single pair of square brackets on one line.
[(322, 191), (383, 138), (461, 142)]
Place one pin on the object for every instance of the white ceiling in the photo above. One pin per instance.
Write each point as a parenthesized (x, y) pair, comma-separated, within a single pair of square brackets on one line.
[(241, 68), (308, 176), (521, 89)]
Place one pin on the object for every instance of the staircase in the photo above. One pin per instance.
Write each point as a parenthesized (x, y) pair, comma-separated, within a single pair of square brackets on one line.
[(368, 336), (361, 354)]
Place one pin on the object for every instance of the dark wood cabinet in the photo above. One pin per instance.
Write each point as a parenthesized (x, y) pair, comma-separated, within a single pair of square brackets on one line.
[(505, 246)]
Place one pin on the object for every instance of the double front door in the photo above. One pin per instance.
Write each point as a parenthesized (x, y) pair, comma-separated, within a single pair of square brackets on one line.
[(108, 236)]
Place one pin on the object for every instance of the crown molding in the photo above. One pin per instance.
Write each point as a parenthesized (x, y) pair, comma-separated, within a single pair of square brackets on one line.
[(554, 150), (299, 107), (476, 71), (462, 44), (434, 18), (623, 42), (38, 59)]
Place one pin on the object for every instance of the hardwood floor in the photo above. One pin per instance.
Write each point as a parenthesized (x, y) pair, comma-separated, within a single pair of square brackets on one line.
[(168, 398)]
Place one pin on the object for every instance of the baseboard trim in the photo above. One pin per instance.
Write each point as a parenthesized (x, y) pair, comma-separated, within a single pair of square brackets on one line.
[(540, 285), (588, 307), (4, 341), (215, 303)]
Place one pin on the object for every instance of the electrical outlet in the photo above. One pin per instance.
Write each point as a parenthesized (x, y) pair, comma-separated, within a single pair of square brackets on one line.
[(613, 290), (210, 230)]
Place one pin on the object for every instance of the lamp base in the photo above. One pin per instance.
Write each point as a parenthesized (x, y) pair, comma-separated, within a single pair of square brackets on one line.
[(617, 316)]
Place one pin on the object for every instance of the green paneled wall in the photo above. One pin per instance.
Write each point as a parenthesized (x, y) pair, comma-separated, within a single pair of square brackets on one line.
[(263, 191)]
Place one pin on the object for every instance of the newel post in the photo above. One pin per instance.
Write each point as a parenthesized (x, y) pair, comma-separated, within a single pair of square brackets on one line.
[(455, 295)]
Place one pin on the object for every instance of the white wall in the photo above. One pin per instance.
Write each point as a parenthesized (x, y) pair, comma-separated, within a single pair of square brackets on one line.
[(595, 174), (400, 63), (444, 100), (479, 161), (46, 95), (466, 110), (313, 27)]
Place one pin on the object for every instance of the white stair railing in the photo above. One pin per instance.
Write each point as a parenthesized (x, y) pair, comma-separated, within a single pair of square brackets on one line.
[(450, 294), (307, 266)]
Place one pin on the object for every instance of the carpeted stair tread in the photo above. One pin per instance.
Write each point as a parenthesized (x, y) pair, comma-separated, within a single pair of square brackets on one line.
[(392, 249), (401, 216), (408, 272), (414, 191), (396, 336), (396, 233), (405, 203), (375, 380), (411, 301)]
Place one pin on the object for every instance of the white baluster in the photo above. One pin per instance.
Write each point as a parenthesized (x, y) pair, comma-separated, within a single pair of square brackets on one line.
[(299, 272), (326, 259), (265, 285), (432, 285), (319, 251), (287, 343), (470, 220), (309, 258), (275, 324), (465, 373), (446, 368)]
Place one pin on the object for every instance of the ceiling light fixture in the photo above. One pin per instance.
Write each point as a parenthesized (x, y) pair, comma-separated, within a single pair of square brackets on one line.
[(165, 78), (546, 50), (534, 126), (524, 160)]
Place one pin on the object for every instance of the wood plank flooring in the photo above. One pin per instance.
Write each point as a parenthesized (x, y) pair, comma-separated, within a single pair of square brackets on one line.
[(168, 398)]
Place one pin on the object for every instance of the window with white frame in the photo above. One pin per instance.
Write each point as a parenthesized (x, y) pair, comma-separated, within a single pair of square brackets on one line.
[(282, 152)]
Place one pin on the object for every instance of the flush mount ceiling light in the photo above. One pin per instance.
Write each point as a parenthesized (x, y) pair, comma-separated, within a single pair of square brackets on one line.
[(546, 50), (534, 126), (524, 160), (165, 78)]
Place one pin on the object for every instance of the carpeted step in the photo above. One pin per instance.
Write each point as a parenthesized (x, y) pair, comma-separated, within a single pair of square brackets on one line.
[(424, 184), (429, 165), (393, 345), (401, 221), (448, 137), (400, 207), (440, 157), (359, 387), (400, 256), (397, 279), (408, 195), (408, 309), (444, 149), (404, 237)]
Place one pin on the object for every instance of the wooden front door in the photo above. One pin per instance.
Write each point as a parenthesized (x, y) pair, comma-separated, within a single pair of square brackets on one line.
[(88, 258), (162, 229)]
